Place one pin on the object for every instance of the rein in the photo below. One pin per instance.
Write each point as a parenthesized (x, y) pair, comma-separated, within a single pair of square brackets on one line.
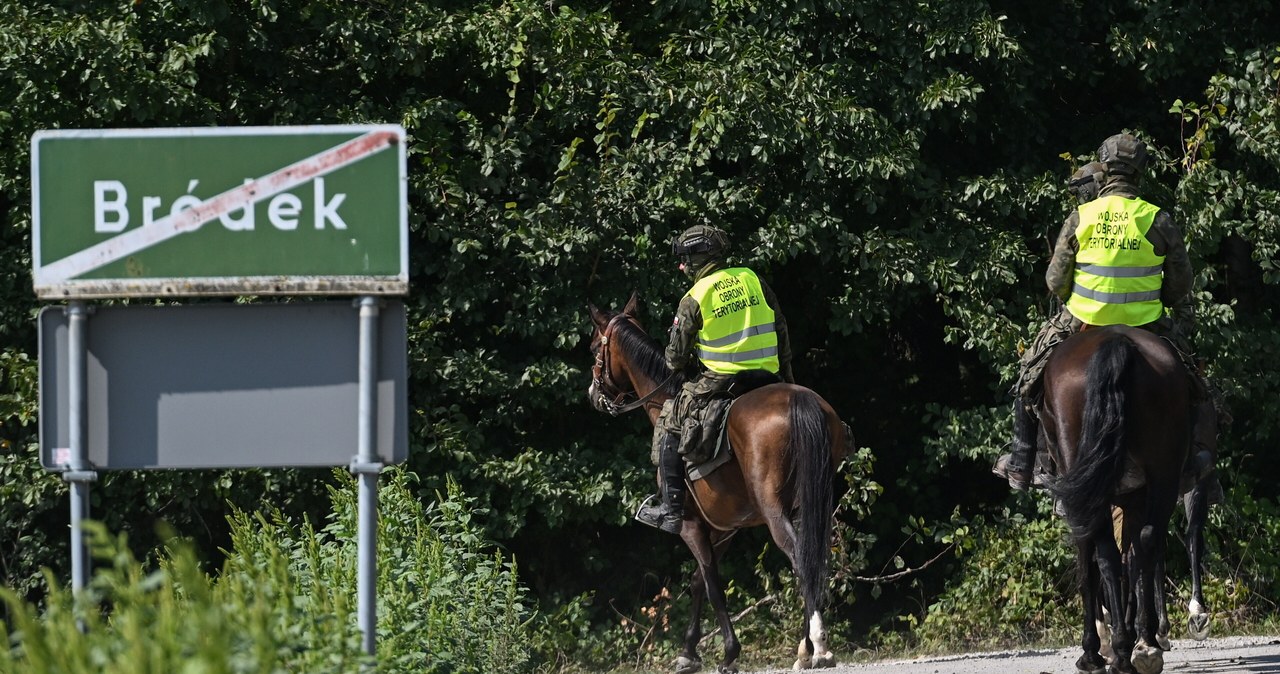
[(606, 386)]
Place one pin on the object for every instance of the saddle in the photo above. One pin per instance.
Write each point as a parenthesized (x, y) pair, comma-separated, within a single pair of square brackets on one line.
[(1199, 461), (704, 440)]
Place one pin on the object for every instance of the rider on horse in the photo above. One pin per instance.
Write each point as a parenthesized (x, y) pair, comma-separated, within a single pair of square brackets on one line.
[(1118, 260), (727, 323)]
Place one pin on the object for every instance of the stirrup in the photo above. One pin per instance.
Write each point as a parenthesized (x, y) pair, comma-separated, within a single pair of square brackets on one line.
[(647, 510), (1018, 479), (658, 517)]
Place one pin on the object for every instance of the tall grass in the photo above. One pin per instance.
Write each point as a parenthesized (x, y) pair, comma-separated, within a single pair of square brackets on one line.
[(284, 600)]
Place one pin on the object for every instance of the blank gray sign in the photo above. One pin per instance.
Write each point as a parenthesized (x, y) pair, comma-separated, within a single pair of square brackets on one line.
[(223, 385)]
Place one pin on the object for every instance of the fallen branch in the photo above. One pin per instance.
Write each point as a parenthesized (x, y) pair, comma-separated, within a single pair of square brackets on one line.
[(905, 572), (764, 601)]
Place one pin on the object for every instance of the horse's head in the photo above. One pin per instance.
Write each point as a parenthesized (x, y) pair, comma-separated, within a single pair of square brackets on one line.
[(610, 379)]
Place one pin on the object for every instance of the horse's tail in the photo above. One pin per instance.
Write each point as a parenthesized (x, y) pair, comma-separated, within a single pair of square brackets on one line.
[(1086, 491), (809, 445)]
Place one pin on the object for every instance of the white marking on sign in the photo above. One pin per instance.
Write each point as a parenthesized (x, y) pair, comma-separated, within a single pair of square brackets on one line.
[(244, 196)]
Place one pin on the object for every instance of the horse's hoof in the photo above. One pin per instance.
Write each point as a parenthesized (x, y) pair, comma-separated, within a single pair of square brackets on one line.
[(1121, 667), (1164, 643), (727, 668), (1198, 626), (824, 660), (687, 665), (1147, 659), (1091, 665)]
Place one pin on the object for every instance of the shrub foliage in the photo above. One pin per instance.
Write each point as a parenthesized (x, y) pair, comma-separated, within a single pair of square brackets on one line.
[(284, 599), (892, 168)]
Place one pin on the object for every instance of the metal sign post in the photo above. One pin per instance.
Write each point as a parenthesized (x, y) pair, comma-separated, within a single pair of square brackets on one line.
[(366, 467), (80, 474)]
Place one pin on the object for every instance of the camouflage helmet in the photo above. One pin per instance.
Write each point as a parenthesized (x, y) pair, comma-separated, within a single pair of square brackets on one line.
[(699, 245), (1087, 181), (1123, 154), (701, 240)]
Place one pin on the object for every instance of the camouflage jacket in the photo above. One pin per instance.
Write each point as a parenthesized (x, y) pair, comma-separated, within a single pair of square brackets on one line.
[(682, 339)]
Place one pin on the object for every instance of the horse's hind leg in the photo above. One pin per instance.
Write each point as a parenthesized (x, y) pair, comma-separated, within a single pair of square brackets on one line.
[(1090, 661), (812, 650)]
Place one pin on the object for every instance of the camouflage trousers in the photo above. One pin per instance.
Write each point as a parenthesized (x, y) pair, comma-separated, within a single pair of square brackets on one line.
[(1031, 365), (678, 412)]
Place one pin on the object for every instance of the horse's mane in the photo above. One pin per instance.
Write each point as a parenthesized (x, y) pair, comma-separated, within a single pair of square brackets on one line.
[(648, 356)]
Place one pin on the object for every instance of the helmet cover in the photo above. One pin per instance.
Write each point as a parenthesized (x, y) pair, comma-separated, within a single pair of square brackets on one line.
[(1123, 154)]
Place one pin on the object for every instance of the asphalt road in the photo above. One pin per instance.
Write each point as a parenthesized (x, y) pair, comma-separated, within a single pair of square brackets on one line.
[(1226, 655)]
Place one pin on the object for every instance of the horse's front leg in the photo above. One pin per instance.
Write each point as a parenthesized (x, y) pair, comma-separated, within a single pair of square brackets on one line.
[(1147, 657), (1162, 611), (697, 536), (1111, 582), (689, 660)]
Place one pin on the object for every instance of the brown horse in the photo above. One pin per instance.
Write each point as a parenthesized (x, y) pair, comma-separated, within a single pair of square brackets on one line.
[(1117, 400), (786, 443)]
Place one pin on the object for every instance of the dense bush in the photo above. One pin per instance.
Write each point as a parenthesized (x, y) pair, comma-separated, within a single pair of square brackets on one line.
[(284, 600), (1010, 591)]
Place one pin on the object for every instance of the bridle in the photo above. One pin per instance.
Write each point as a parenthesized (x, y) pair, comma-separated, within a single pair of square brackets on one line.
[(609, 396)]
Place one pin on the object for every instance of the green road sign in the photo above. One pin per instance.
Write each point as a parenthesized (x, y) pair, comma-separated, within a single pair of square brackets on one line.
[(219, 211)]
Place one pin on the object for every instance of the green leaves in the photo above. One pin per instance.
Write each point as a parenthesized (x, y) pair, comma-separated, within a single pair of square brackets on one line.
[(284, 600)]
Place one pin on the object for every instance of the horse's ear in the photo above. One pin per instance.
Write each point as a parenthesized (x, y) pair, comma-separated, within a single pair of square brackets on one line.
[(633, 304), (598, 317)]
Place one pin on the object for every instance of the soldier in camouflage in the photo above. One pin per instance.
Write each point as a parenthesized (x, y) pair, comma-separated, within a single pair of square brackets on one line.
[(738, 308), (1122, 159)]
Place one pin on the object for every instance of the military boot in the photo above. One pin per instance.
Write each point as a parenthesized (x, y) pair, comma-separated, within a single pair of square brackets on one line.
[(1016, 465), (669, 515)]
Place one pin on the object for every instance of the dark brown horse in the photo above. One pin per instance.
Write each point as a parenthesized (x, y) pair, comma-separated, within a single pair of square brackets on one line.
[(1117, 400), (786, 443)]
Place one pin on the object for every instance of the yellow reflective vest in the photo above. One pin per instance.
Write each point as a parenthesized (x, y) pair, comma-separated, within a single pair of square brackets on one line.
[(1117, 273), (737, 323)]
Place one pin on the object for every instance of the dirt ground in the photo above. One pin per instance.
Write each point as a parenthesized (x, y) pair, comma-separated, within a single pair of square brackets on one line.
[(1226, 655)]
